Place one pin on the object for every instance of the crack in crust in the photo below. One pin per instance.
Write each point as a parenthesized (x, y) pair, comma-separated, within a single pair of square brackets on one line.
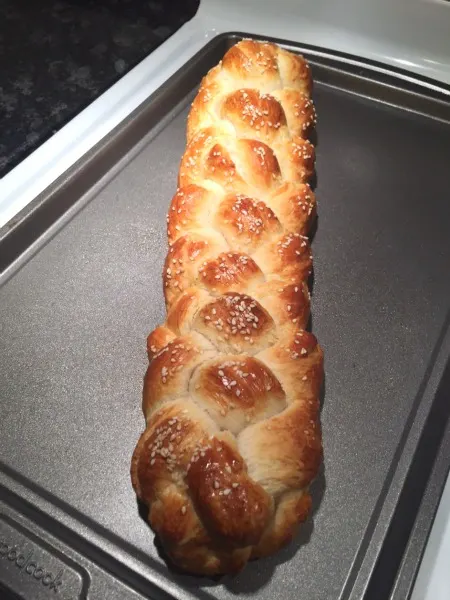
[(231, 394)]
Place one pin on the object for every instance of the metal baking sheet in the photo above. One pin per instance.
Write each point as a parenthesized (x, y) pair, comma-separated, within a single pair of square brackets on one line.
[(82, 288)]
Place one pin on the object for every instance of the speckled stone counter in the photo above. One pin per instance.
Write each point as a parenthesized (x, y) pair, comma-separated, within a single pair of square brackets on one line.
[(58, 56)]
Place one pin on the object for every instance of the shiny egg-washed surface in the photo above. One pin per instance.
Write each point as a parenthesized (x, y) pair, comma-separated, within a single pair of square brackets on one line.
[(231, 396)]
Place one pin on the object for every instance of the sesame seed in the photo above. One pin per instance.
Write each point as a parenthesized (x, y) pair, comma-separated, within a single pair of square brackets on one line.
[(183, 510)]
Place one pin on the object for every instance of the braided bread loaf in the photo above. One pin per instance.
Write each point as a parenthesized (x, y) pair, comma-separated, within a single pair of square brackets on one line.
[(231, 395)]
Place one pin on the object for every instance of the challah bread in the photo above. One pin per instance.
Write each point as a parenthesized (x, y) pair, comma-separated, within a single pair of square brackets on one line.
[(231, 394)]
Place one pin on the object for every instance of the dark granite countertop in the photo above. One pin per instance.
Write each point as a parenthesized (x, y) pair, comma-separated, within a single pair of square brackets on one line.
[(58, 56)]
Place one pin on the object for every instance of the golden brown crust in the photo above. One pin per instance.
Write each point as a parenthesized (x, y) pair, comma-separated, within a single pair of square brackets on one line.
[(236, 391), (223, 493), (295, 207), (265, 70), (246, 223), (292, 510), (236, 323), (231, 394)]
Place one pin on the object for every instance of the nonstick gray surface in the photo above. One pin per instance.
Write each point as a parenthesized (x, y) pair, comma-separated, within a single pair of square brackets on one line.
[(74, 321)]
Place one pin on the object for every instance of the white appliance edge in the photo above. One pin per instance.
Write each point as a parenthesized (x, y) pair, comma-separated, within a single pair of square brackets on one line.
[(409, 34)]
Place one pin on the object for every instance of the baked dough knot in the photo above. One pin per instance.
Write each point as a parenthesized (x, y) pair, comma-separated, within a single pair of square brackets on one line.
[(231, 394)]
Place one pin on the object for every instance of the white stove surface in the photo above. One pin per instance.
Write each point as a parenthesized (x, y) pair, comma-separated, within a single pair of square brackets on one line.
[(410, 34), (433, 579)]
